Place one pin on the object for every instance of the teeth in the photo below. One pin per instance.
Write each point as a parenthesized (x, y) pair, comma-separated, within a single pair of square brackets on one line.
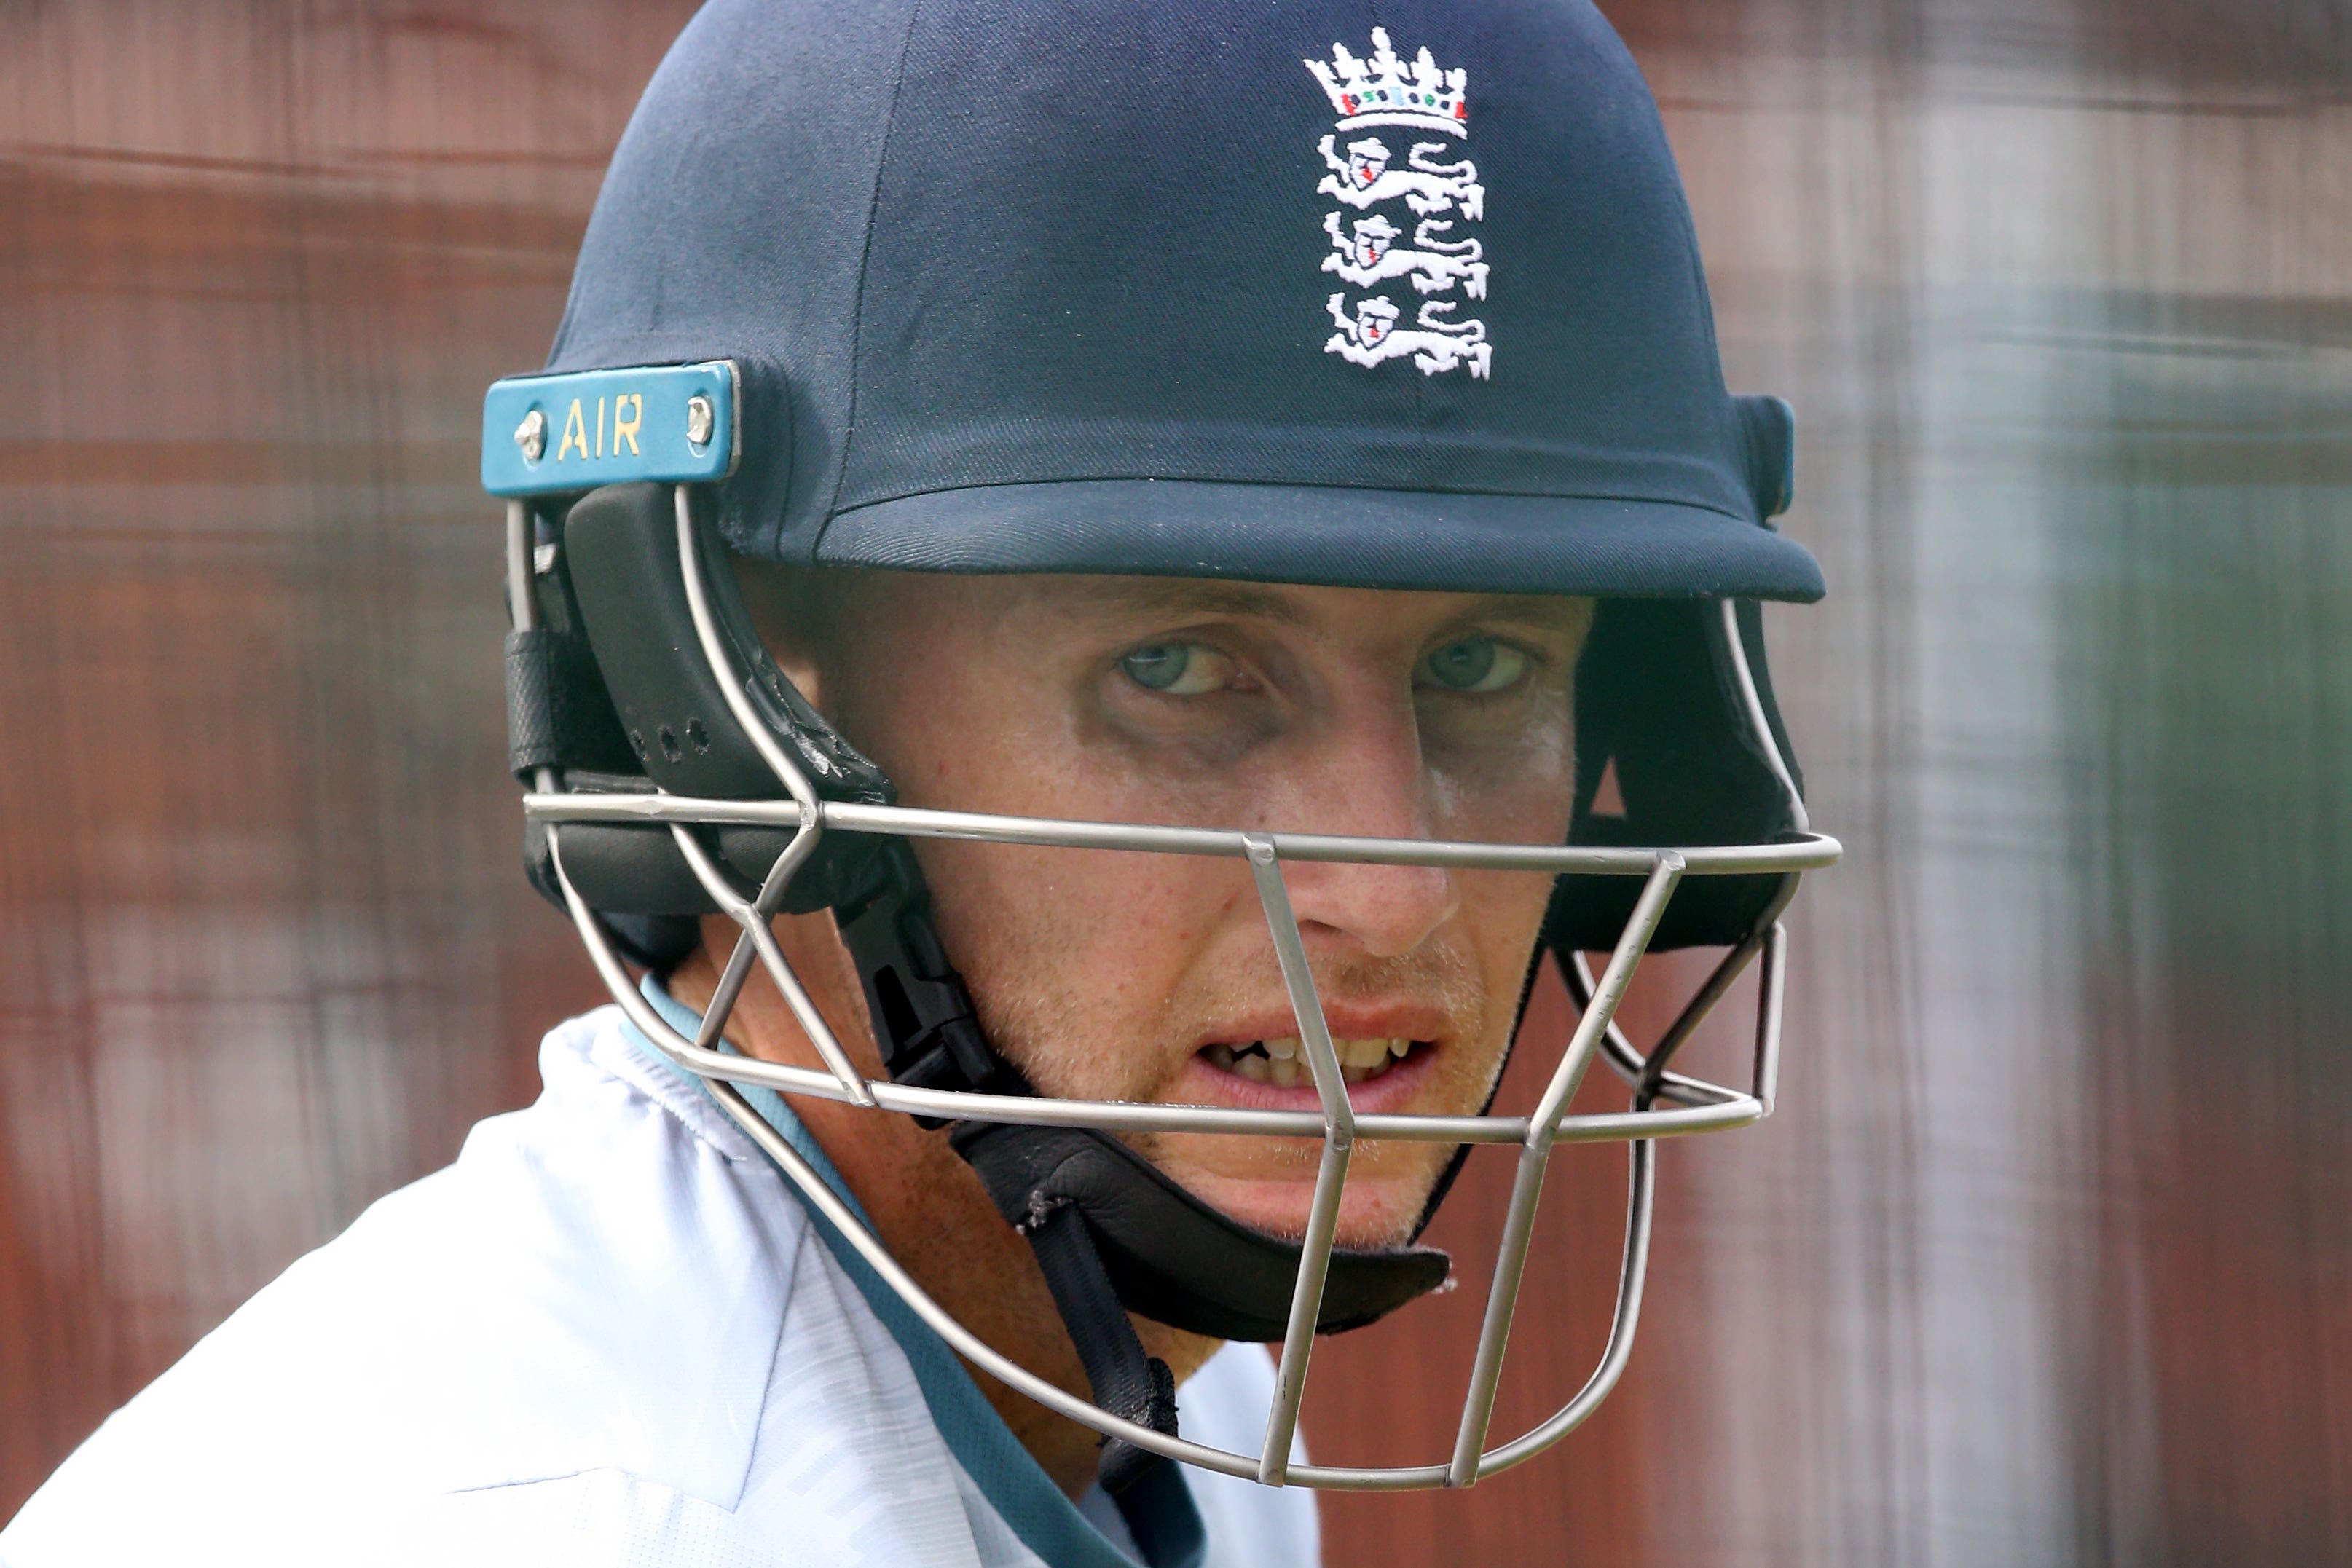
[(1282, 1062)]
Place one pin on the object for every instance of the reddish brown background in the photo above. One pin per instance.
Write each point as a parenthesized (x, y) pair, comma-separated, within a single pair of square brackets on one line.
[(2045, 1259)]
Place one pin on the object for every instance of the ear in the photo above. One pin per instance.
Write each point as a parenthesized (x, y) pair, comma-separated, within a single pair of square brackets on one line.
[(801, 669), (793, 616)]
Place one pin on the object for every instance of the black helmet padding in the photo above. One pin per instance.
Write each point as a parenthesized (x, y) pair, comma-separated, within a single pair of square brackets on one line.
[(1659, 699)]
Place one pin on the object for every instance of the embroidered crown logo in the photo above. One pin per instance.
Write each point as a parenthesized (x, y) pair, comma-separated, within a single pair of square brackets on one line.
[(1364, 249), (1378, 91)]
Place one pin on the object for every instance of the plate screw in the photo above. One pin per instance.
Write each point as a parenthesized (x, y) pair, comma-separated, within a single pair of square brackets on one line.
[(532, 435), (698, 420)]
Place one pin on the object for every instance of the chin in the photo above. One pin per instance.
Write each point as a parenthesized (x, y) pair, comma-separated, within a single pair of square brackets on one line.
[(1377, 1211)]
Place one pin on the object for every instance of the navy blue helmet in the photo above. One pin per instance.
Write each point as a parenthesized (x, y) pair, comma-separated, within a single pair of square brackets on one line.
[(1387, 296)]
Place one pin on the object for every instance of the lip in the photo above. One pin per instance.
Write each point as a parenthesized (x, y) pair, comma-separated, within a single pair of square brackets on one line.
[(1347, 1020)]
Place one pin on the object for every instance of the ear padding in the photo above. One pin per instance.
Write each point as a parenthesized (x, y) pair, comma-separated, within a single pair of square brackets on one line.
[(619, 554), (1658, 704), (620, 543)]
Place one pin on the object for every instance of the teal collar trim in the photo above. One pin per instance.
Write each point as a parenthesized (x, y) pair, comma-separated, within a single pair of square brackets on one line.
[(1016, 1485)]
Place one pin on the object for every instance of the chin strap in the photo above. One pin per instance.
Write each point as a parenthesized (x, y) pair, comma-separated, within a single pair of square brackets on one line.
[(930, 1036), (924, 1024), (1126, 1381)]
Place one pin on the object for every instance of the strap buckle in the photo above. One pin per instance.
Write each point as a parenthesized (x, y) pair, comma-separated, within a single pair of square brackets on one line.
[(924, 1021)]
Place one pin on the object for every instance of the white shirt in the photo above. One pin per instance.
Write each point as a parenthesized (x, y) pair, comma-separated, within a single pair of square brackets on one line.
[(609, 1334)]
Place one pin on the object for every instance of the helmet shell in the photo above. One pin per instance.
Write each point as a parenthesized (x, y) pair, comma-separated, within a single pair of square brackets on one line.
[(1017, 286)]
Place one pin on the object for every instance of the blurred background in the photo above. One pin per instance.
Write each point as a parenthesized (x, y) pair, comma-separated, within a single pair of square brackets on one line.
[(2047, 1258)]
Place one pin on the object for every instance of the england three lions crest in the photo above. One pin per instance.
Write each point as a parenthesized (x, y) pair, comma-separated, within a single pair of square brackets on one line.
[(1369, 254), (1370, 336), (1363, 178), (1437, 190)]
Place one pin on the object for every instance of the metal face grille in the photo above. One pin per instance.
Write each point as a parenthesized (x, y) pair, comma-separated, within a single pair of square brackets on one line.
[(1662, 1104)]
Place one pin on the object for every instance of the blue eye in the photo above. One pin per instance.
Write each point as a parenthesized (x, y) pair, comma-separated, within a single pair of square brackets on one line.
[(1474, 664), (1176, 669)]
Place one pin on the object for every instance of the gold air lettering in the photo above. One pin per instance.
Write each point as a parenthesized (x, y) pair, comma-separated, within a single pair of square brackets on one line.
[(575, 433), (626, 429), (600, 427)]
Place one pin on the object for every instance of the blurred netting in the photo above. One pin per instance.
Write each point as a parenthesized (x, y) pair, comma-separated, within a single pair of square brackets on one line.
[(2045, 1259), (265, 955)]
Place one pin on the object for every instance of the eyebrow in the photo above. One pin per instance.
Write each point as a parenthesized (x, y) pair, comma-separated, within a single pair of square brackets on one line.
[(1530, 609), (1186, 596), (1206, 596)]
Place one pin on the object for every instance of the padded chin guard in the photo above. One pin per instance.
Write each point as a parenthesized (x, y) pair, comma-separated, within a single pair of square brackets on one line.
[(1174, 1258)]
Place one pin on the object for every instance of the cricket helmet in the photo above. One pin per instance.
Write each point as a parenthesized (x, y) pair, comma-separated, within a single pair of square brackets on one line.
[(1299, 293)]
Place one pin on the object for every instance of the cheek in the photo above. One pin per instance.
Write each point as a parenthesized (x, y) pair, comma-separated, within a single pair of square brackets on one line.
[(1077, 958), (1506, 791), (1501, 919)]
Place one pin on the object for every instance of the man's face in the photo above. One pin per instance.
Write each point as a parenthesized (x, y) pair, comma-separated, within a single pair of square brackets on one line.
[(1122, 976)]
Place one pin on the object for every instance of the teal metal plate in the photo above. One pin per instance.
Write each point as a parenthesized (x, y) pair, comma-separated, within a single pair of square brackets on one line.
[(609, 427)]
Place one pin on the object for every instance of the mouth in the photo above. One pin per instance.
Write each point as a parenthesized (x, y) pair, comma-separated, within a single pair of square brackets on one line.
[(1409, 1066), (1282, 1062), (1384, 1072)]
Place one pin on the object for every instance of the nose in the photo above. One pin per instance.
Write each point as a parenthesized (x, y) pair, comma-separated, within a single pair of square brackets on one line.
[(1367, 778), (1380, 912)]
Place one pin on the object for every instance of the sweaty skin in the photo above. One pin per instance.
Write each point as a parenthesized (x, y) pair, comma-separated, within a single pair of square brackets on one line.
[(1112, 975)]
